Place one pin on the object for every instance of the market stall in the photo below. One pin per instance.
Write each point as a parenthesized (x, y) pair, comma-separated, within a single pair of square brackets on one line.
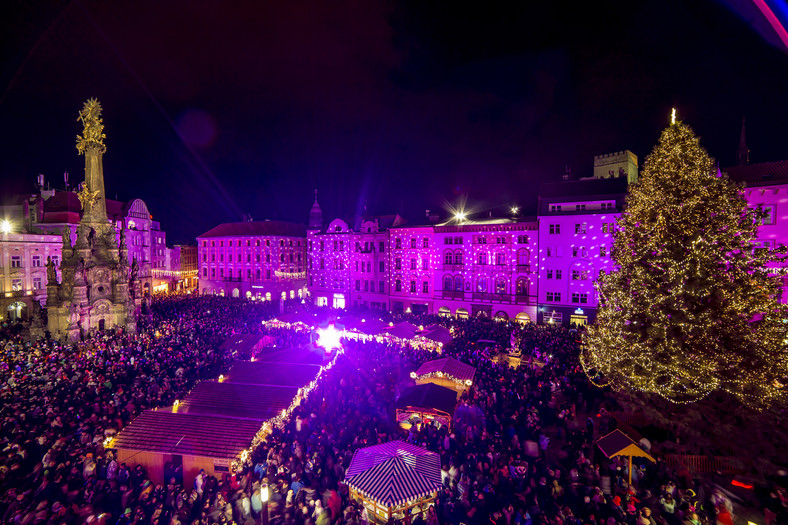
[(447, 372), (426, 403), (394, 478)]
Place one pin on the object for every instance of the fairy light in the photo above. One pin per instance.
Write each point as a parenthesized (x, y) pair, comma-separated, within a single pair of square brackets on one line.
[(691, 307)]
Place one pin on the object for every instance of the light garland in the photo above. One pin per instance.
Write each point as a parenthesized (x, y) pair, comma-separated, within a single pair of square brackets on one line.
[(439, 374)]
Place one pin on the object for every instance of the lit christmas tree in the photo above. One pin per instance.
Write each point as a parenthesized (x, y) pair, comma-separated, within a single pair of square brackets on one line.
[(691, 307)]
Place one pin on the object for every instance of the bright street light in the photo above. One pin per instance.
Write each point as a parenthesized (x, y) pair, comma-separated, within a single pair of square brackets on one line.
[(5, 226)]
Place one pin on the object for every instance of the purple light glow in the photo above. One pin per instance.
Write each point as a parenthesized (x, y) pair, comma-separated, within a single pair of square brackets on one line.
[(329, 338)]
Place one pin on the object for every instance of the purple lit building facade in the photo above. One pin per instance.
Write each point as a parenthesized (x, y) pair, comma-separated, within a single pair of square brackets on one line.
[(262, 260), (486, 267)]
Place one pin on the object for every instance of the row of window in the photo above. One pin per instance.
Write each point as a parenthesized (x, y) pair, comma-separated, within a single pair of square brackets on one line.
[(577, 251), (577, 297), (366, 266), (577, 275), (369, 286), (256, 242), (16, 284)]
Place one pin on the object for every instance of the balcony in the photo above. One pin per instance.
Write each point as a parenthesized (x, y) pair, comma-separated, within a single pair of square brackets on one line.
[(523, 268), (362, 249), (453, 294), (453, 267), (522, 299), (492, 297)]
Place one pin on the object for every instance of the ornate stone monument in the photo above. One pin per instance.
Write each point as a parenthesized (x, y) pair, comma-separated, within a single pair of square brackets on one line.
[(94, 292)]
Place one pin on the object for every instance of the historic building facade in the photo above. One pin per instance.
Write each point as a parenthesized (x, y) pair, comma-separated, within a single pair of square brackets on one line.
[(23, 272), (262, 260)]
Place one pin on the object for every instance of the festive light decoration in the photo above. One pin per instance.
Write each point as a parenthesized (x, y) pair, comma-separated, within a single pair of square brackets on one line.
[(691, 307), (329, 338), (5, 226)]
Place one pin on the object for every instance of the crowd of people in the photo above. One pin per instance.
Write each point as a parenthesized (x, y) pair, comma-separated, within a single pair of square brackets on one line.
[(520, 450)]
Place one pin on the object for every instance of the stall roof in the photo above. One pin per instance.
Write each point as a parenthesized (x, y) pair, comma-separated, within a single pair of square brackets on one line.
[(403, 330), (187, 434), (270, 373), (369, 326), (305, 355), (395, 472), (243, 401), (619, 444), (449, 366), (429, 395), (438, 333)]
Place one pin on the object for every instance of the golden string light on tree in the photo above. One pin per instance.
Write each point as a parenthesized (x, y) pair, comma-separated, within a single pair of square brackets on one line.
[(692, 304)]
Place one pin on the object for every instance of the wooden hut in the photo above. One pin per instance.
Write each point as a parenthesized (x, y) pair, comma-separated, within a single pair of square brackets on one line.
[(393, 479), (192, 441), (429, 402), (272, 373), (446, 372)]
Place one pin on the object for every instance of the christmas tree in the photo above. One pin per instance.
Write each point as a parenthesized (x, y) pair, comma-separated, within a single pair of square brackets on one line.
[(691, 306)]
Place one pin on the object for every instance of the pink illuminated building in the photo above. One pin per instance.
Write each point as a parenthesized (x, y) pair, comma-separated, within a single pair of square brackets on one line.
[(262, 260), (766, 187), (576, 224), (350, 266), (486, 267)]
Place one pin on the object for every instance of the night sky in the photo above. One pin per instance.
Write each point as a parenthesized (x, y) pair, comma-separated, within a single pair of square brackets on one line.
[(213, 111)]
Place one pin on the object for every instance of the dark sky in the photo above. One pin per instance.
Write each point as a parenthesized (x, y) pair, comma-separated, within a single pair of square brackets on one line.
[(216, 109)]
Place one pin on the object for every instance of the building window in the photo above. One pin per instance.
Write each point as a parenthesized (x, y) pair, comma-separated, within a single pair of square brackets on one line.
[(213, 272), (37, 283), (553, 297), (426, 242), (447, 240), (205, 272), (398, 243), (580, 228), (358, 285), (257, 273), (425, 264), (249, 273), (603, 251), (558, 274), (548, 251), (425, 287), (382, 247), (482, 258), (458, 240), (583, 298), (549, 274), (36, 261), (398, 264), (381, 287), (398, 285), (522, 239), (381, 266), (555, 207), (16, 261), (413, 264), (413, 287), (56, 260), (500, 259), (268, 274), (16, 285), (580, 207), (555, 229), (413, 242)]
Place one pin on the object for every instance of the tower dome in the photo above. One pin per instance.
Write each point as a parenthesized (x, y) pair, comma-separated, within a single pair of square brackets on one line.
[(315, 216)]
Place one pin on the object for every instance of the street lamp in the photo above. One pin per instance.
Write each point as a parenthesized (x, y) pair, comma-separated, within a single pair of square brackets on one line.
[(5, 226), (264, 498)]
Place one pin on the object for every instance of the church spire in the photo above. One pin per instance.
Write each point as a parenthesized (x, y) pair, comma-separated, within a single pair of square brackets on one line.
[(91, 144), (315, 215), (742, 153)]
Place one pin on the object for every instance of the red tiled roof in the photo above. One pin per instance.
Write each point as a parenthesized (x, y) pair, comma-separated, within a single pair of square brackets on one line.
[(759, 174), (187, 434), (255, 229)]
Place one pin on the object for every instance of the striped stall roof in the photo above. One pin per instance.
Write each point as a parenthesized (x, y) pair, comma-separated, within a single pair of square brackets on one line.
[(449, 366), (394, 473), (187, 434), (243, 401), (271, 373)]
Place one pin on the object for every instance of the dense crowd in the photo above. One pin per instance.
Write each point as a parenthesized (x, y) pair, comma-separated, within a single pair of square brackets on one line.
[(520, 451)]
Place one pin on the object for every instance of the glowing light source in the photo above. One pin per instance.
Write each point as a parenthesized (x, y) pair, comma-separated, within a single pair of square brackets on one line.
[(673, 116), (5, 226), (459, 216), (329, 338), (515, 210)]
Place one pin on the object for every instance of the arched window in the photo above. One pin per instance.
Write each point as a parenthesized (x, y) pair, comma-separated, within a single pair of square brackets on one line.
[(523, 256), (447, 282), (458, 257), (500, 258), (458, 283), (482, 258), (500, 285), (447, 257), (481, 284), (522, 286)]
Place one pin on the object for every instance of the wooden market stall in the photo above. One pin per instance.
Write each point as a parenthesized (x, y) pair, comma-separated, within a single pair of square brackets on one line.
[(429, 402), (393, 478), (237, 400), (272, 373), (447, 372), (193, 441), (617, 443)]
